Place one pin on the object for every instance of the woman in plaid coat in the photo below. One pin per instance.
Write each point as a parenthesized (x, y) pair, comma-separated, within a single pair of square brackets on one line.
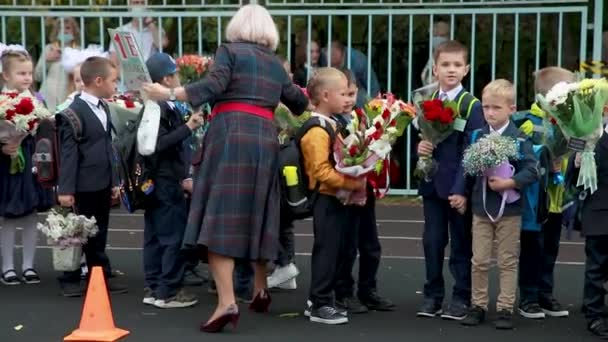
[(235, 205)]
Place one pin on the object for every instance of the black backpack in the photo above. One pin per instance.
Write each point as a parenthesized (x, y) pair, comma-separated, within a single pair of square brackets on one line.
[(296, 198), (134, 171), (46, 152)]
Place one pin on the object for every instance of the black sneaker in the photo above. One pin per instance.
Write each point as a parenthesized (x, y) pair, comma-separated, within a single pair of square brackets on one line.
[(72, 289), (375, 302), (351, 304), (531, 310), (429, 308), (552, 308), (456, 311), (115, 287), (504, 320), (475, 316), (308, 310), (327, 315), (598, 328)]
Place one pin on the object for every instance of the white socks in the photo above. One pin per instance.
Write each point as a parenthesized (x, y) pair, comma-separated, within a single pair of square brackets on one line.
[(28, 239)]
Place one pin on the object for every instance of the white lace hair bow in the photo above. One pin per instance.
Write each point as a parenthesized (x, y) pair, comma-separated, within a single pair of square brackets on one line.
[(11, 47), (71, 57)]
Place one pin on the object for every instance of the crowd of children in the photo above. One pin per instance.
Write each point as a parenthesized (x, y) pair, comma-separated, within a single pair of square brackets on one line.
[(458, 209)]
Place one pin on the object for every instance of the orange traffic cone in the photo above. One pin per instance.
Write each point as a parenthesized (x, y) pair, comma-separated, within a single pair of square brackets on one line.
[(97, 323)]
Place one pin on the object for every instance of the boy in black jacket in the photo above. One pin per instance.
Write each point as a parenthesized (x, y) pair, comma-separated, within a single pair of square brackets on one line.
[(492, 218), (165, 216)]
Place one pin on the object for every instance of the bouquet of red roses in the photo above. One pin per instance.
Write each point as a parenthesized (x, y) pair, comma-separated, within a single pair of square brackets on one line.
[(19, 117), (192, 68), (436, 122)]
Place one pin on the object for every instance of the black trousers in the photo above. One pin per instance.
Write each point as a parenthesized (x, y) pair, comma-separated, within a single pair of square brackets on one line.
[(362, 237), (330, 220), (94, 204), (287, 249), (596, 275)]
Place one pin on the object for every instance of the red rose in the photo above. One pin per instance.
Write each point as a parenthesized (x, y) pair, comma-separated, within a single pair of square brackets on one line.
[(377, 135), (378, 125), (553, 121), (12, 95), (10, 113), (32, 124), (386, 114), (446, 116), (393, 123), (352, 151), (25, 106), (432, 115), (129, 103), (432, 105), (359, 112)]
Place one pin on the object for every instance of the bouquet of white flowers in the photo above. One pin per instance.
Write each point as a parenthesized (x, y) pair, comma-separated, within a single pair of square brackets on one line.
[(67, 232)]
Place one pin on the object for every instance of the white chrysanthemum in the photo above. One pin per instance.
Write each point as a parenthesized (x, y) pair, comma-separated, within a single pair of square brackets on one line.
[(381, 148), (559, 93)]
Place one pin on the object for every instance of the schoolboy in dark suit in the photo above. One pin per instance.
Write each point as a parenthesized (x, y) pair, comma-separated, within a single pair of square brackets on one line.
[(87, 180)]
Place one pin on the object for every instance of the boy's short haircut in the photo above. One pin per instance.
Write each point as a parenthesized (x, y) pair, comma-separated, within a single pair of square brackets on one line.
[(321, 79), (94, 67), (546, 78), (451, 46), (350, 77), (502, 88), (10, 56)]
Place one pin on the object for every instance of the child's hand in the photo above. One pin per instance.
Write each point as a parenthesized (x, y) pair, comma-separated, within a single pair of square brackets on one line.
[(458, 202), (577, 160), (500, 184), (187, 185), (115, 193), (425, 148), (361, 183), (66, 200), (10, 149), (196, 120)]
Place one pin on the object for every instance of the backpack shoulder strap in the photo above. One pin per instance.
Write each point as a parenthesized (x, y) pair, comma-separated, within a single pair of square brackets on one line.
[(316, 122), (465, 103), (74, 121), (474, 135)]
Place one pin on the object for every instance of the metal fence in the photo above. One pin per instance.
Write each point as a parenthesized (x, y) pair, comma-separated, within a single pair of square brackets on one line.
[(510, 39)]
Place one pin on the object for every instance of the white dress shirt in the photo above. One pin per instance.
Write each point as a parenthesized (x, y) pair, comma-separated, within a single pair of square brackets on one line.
[(93, 102), (451, 94), (501, 130)]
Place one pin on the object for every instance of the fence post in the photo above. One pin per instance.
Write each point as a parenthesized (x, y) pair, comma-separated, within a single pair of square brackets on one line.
[(598, 14)]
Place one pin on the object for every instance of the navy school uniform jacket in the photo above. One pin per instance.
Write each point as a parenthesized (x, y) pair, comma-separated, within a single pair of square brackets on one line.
[(86, 165), (449, 178), (526, 173)]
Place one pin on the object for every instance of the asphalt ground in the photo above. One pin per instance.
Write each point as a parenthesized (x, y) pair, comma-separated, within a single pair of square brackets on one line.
[(40, 313)]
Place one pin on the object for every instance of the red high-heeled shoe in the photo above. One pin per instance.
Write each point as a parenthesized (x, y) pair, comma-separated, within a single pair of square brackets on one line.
[(230, 316), (261, 302)]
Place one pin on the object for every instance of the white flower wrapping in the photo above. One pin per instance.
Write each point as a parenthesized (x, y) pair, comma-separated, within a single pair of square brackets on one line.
[(68, 230), (18, 127)]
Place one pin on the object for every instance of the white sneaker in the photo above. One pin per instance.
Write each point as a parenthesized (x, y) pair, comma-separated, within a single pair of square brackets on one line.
[(281, 275), (181, 300), (288, 285), (149, 296)]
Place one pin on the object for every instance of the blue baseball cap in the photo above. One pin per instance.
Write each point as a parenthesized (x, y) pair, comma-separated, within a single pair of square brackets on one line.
[(160, 65)]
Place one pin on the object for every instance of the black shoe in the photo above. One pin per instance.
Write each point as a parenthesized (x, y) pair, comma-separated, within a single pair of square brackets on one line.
[(72, 289), (552, 308), (192, 278), (115, 287), (375, 302), (327, 315), (456, 311), (351, 304), (429, 308), (475, 316), (504, 320), (531, 310), (598, 328)]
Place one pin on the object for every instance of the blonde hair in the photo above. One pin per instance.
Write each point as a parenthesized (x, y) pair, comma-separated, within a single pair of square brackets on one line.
[(56, 27), (322, 79), (10, 56), (502, 88), (252, 23), (547, 77)]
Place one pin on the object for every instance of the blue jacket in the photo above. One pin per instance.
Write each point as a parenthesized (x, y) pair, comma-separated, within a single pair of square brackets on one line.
[(449, 178)]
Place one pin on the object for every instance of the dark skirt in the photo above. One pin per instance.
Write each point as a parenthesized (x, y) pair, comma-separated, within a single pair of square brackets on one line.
[(235, 205), (21, 194)]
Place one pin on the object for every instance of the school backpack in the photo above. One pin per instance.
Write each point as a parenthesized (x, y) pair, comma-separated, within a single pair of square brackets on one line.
[(134, 171), (296, 197), (535, 201), (46, 151)]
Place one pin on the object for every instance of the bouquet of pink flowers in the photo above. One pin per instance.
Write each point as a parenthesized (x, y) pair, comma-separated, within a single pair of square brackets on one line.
[(19, 117), (372, 132)]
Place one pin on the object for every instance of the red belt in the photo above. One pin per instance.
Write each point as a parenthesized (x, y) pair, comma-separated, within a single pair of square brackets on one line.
[(241, 107)]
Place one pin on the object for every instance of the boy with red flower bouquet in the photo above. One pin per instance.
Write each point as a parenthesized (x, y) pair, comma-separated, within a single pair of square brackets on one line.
[(363, 237), (452, 115)]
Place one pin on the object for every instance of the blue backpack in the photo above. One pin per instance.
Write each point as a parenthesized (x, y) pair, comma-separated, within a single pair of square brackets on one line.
[(535, 207)]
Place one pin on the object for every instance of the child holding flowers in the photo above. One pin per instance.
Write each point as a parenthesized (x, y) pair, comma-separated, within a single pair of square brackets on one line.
[(21, 194), (498, 99)]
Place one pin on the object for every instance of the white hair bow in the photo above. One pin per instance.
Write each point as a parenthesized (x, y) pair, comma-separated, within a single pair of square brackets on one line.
[(11, 47), (70, 57)]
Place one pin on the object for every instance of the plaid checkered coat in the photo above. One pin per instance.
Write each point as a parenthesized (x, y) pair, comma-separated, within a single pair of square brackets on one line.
[(235, 205)]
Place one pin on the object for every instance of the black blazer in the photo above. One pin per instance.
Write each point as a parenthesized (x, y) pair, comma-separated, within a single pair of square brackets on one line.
[(168, 160), (595, 208), (85, 165)]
